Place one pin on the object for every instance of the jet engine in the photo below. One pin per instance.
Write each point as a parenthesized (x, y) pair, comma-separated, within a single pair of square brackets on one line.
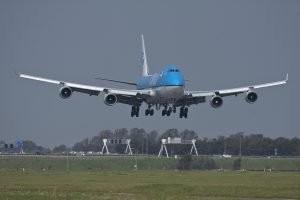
[(110, 99), (251, 97), (65, 92), (216, 101)]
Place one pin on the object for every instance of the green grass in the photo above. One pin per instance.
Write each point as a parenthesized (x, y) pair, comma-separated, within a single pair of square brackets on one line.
[(156, 184), (84, 163), (282, 164), (114, 178), (145, 163)]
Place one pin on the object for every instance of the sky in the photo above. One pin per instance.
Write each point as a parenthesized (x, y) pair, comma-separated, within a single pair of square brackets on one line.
[(216, 44)]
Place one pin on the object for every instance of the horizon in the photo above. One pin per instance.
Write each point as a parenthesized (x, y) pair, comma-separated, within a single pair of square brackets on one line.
[(159, 134)]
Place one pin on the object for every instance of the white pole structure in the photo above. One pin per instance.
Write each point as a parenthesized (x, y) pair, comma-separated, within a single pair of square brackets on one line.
[(128, 148), (194, 147), (104, 146), (163, 147)]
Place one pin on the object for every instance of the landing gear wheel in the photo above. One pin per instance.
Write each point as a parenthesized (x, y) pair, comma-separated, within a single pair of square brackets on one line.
[(135, 111), (151, 112), (168, 113), (164, 112), (174, 109), (186, 110), (183, 112)]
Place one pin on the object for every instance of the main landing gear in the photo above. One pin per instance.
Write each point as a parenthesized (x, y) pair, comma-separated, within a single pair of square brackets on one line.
[(149, 111), (167, 111), (183, 112), (135, 110)]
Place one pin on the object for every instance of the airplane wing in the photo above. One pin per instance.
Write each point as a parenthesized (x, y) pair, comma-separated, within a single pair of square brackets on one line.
[(124, 95), (233, 91)]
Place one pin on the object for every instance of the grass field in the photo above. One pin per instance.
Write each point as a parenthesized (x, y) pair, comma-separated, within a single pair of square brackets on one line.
[(148, 185), (114, 178), (144, 163)]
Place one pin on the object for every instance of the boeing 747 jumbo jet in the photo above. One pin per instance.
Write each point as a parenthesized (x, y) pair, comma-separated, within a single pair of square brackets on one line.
[(164, 90)]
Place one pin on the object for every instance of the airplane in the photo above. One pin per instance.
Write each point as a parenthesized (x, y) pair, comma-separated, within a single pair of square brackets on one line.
[(164, 90)]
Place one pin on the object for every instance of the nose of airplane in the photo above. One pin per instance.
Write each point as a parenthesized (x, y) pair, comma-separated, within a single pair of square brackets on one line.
[(177, 80), (174, 78)]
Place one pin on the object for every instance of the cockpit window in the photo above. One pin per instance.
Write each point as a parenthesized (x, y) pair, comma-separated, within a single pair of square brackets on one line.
[(173, 70)]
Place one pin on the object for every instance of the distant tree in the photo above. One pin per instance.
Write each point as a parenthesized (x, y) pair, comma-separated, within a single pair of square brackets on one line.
[(253, 144), (173, 132), (203, 145), (31, 147), (83, 145), (143, 142), (60, 149), (137, 137), (233, 143), (185, 135), (283, 146), (95, 143), (152, 142), (172, 148), (108, 134), (120, 134), (295, 142), (188, 135), (217, 145)]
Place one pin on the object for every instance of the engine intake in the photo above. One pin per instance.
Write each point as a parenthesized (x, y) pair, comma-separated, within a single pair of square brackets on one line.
[(251, 97), (65, 92), (110, 99), (216, 101)]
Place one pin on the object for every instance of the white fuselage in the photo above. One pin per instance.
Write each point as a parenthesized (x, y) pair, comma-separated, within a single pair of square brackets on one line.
[(165, 94)]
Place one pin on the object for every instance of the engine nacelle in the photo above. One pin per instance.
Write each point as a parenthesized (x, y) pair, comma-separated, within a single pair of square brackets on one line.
[(216, 101), (251, 97), (65, 92), (110, 99)]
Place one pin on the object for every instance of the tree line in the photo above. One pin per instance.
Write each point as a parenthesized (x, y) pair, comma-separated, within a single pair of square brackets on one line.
[(148, 143), (144, 142)]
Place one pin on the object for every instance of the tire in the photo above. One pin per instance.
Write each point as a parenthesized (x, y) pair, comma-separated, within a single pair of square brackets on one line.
[(168, 113), (151, 112)]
